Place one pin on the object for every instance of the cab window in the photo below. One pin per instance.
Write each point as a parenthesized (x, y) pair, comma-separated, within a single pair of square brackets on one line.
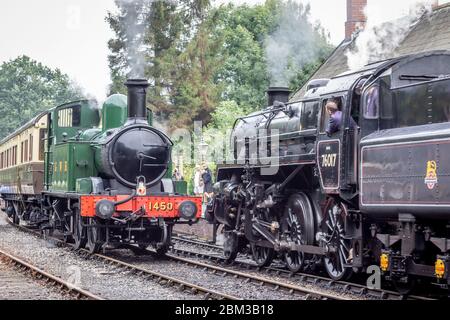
[(325, 120), (371, 99), (310, 114), (69, 117)]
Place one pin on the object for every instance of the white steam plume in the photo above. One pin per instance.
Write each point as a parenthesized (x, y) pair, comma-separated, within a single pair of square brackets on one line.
[(379, 39), (133, 27), (294, 44)]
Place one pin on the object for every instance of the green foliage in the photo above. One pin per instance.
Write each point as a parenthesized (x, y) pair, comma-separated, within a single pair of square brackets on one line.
[(225, 115), (244, 72), (216, 135), (28, 87), (188, 174), (195, 94)]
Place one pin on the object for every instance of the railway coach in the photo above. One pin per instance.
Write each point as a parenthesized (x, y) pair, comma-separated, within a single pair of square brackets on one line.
[(99, 176)]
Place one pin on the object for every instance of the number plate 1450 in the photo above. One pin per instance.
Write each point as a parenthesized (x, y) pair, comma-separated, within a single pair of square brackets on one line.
[(160, 206)]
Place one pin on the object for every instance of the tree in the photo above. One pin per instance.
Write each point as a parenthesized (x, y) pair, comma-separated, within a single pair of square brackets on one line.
[(246, 29), (169, 28), (195, 93), (28, 87), (244, 71)]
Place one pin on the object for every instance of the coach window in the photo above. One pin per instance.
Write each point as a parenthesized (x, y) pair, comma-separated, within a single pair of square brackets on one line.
[(26, 151), (31, 148), (42, 142)]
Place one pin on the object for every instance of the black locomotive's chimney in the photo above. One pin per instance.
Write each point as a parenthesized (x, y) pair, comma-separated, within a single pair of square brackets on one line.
[(279, 94), (137, 94)]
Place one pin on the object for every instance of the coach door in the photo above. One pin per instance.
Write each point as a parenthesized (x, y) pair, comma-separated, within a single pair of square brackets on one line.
[(48, 158), (329, 151)]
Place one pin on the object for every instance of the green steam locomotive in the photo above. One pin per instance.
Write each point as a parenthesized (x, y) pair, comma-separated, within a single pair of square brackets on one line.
[(99, 176)]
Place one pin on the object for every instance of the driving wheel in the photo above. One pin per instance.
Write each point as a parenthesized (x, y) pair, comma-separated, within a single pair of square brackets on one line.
[(299, 224), (339, 247), (79, 231), (262, 256)]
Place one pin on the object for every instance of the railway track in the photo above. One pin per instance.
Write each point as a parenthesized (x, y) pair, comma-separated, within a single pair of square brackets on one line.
[(300, 292), (182, 257), (29, 290), (184, 238), (341, 286), (289, 289), (146, 274)]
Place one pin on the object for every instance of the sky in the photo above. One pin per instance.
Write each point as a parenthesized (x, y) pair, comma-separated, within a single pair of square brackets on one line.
[(72, 35)]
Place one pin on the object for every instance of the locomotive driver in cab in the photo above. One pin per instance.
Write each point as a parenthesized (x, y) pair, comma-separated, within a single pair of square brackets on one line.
[(335, 122), (335, 114)]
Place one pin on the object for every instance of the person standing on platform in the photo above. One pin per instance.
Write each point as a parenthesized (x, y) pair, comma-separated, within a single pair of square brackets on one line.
[(208, 182), (198, 182)]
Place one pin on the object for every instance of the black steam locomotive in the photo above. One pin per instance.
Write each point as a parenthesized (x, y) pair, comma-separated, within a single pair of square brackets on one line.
[(374, 193)]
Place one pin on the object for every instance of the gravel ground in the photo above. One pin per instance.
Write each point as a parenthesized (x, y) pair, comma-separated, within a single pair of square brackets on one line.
[(98, 278), (246, 259), (17, 286)]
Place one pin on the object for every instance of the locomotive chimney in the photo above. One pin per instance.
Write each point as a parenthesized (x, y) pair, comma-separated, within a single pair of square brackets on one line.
[(356, 18), (279, 94), (137, 94)]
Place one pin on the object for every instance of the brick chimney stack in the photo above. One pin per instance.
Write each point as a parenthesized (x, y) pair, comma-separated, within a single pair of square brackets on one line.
[(356, 19)]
